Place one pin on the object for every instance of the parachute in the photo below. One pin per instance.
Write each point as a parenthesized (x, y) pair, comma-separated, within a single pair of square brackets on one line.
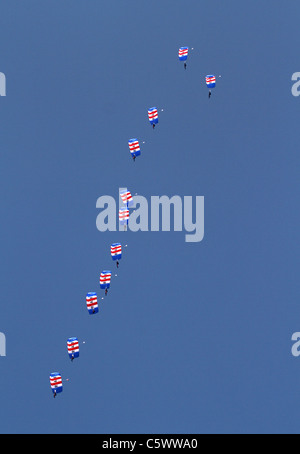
[(56, 383), (116, 251), (134, 148), (73, 347), (123, 216), (153, 116), (126, 198), (183, 53), (105, 278), (92, 303), (210, 81)]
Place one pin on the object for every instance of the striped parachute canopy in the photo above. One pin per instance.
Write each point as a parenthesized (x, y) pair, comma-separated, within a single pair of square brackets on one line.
[(134, 147), (153, 115), (116, 251), (210, 81), (105, 278), (56, 382), (183, 53), (126, 198), (123, 216), (73, 347), (92, 303)]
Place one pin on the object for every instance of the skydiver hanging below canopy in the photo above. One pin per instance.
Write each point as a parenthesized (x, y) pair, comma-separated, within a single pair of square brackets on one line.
[(105, 277), (116, 252), (134, 148), (73, 348), (56, 383), (183, 55), (92, 303), (211, 83), (153, 116)]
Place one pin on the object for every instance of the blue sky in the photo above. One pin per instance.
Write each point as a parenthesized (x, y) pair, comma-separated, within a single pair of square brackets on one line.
[(192, 338)]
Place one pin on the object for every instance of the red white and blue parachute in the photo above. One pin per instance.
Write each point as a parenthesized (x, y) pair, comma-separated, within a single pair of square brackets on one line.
[(116, 251), (210, 81), (134, 147), (56, 383), (153, 115), (92, 303), (126, 198), (183, 53), (73, 347), (123, 216), (105, 278)]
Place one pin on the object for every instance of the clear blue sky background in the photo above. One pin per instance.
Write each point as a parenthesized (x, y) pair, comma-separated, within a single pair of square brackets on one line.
[(192, 338)]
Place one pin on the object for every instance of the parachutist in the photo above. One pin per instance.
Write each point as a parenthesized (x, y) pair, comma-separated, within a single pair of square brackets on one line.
[(211, 83), (153, 116), (134, 148), (92, 304), (106, 291), (116, 252), (56, 383), (183, 53)]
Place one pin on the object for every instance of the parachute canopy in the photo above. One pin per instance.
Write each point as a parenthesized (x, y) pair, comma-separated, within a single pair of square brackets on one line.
[(116, 251), (105, 278), (134, 147), (183, 53), (153, 115), (92, 303), (210, 81), (126, 198), (56, 382), (123, 216), (73, 347)]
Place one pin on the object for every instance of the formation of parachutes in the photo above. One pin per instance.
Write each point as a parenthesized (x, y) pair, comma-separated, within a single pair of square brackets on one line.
[(56, 381)]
